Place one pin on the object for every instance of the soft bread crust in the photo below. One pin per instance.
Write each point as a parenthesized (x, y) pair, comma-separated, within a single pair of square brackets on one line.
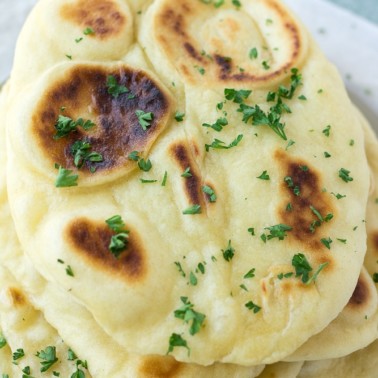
[(143, 288)]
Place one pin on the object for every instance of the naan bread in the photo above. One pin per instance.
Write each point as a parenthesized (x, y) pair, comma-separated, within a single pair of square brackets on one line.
[(134, 298), (105, 358), (362, 364)]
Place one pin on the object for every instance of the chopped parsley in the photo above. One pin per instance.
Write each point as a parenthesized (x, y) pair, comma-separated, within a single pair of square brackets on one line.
[(289, 144), (236, 3), (144, 118), (251, 230), (326, 242), (237, 96), (144, 165), (164, 181), (327, 154), (193, 279), (210, 192), (19, 353), (252, 306), (188, 314), (264, 176), (65, 125), (144, 181), (229, 252), (218, 144), (82, 153), (338, 195), (327, 130), (218, 125), (176, 340), (88, 31), (284, 275), (48, 357), (344, 175), (69, 271), (134, 155), (250, 273), (375, 277), (303, 268), (179, 268), (186, 173), (253, 53), (277, 231), (118, 242), (3, 341), (201, 70), (179, 116), (114, 88), (194, 209), (65, 177), (266, 65)]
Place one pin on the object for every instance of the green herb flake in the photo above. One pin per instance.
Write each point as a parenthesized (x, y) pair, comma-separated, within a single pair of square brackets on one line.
[(179, 116), (250, 273), (145, 165), (218, 144), (375, 277), (289, 207), (19, 353), (342, 240), (88, 31), (251, 230), (210, 192), (134, 156), (327, 130), (144, 118), (201, 70), (71, 356), (252, 306), (253, 53), (191, 210), (81, 151), (303, 268), (229, 252), (351, 142), (265, 65), (176, 340), (236, 3), (3, 341), (264, 176), (65, 125), (165, 177), (218, 125), (338, 195), (193, 279), (147, 181), (69, 271), (242, 286), (284, 275), (119, 241), (179, 268), (237, 96), (188, 314), (326, 242), (344, 175), (289, 144), (277, 231), (48, 357), (327, 154), (65, 178), (302, 97), (114, 88), (186, 173)]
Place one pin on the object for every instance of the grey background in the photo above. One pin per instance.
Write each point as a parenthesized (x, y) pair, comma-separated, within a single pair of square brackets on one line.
[(365, 8)]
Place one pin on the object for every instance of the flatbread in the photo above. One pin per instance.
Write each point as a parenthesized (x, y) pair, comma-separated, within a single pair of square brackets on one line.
[(362, 363), (51, 316), (213, 249)]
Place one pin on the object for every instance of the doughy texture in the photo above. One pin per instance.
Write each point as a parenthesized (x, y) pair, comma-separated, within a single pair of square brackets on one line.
[(199, 262), (362, 363), (59, 317)]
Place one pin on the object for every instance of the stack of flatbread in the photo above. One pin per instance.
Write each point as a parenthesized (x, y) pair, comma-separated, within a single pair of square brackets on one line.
[(186, 191)]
